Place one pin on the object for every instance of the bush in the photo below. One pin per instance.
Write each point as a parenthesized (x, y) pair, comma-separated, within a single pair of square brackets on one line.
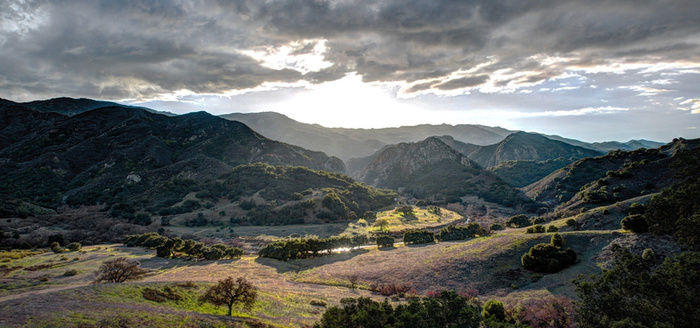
[(494, 310), (557, 240), (385, 241), (518, 221), (418, 237), (552, 229), (56, 248), (74, 247), (536, 229), (70, 273), (453, 232), (549, 258), (636, 223), (496, 227), (571, 223)]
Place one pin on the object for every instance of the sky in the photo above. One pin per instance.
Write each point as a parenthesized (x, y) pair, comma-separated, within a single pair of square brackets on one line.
[(592, 70)]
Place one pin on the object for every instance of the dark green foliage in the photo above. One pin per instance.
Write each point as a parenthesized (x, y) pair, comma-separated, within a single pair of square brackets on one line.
[(446, 310), (636, 208), (385, 241), (641, 292), (74, 246), (557, 240), (494, 310), (676, 211), (143, 219), (496, 227), (518, 221), (636, 223), (552, 229), (198, 221), (570, 223), (56, 248), (548, 258), (404, 209), (167, 247), (301, 248), (434, 210), (413, 237), (536, 229), (453, 232), (56, 238)]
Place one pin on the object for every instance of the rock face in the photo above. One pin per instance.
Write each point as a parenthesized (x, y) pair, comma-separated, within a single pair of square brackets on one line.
[(406, 158)]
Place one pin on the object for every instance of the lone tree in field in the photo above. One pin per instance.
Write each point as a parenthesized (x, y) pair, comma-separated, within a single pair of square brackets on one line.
[(229, 292), (382, 224), (119, 270)]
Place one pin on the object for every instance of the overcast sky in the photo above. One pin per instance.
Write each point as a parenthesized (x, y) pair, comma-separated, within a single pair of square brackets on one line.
[(591, 70)]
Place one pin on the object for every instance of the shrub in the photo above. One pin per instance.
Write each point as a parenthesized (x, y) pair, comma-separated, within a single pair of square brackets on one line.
[(318, 303), (56, 247), (557, 240), (385, 241), (552, 229), (453, 232), (496, 227), (549, 258), (418, 237), (518, 221), (74, 247), (494, 310), (70, 273), (536, 229), (571, 222), (636, 223)]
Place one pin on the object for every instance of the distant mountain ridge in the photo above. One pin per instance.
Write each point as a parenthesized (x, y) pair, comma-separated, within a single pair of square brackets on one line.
[(520, 146), (358, 143), (72, 106)]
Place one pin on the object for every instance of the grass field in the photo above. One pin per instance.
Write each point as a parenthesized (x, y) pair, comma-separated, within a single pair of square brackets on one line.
[(36, 291)]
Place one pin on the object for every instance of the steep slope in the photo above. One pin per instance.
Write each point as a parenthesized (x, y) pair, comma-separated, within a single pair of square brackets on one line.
[(432, 170), (527, 146), (47, 158), (617, 176)]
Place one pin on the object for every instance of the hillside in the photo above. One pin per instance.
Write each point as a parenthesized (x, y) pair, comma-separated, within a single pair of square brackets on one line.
[(115, 154), (72, 106), (520, 146), (616, 176), (359, 143), (432, 170)]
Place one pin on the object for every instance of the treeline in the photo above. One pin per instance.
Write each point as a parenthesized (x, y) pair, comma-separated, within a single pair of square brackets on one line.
[(451, 232), (301, 248), (448, 309), (167, 247)]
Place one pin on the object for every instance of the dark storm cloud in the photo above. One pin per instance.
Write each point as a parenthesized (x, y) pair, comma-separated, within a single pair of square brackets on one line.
[(142, 49)]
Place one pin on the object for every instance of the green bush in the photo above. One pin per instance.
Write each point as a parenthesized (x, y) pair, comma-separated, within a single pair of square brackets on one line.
[(453, 232), (56, 248), (549, 258), (552, 229), (571, 223), (518, 221), (536, 229), (636, 223), (70, 273), (496, 227), (74, 246), (385, 241), (494, 310), (418, 237)]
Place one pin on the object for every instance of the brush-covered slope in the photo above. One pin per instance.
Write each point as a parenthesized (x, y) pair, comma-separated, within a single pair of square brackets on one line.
[(432, 170), (71, 106), (618, 175), (47, 159)]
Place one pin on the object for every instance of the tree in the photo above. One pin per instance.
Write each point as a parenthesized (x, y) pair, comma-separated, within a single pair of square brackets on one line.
[(119, 270), (405, 209), (636, 223), (518, 221), (382, 223), (229, 292)]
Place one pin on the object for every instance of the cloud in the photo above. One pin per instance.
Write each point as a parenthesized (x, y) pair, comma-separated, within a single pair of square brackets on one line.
[(148, 49)]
